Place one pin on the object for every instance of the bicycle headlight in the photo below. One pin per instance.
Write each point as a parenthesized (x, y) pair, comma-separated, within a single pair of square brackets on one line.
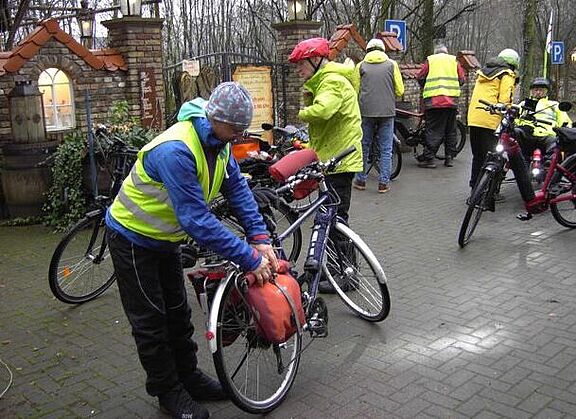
[(535, 171), (499, 148)]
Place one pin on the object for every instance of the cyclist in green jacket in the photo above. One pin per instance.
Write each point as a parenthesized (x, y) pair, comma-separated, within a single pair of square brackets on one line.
[(333, 115)]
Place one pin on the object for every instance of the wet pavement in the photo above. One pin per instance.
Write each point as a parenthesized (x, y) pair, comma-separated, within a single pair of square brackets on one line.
[(485, 331)]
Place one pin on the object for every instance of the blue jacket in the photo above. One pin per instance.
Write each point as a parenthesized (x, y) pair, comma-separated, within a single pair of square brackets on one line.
[(173, 164)]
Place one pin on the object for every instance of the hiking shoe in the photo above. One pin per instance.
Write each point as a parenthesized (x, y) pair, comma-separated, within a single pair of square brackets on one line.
[(178, 404), (203, 387), (359, 184), (427, 164), (383, 188), (448, 162)]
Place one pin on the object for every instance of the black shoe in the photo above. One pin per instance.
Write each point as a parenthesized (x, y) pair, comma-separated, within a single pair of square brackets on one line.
[(178, 404), (202, 387), (428, 164), (448, 162)]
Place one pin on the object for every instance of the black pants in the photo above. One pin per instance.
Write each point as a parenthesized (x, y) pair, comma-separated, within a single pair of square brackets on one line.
[(440, 127), (152, 290), (482, 140), (342, 184), (529, 142)]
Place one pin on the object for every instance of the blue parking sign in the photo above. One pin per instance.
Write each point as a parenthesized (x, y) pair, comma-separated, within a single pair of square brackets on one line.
[(557, 52), (398, 26)]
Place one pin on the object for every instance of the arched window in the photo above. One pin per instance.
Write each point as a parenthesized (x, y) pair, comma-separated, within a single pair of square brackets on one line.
[(58, 99)]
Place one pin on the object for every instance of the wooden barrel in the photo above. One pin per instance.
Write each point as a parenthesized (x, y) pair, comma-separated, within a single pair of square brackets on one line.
[(26, 177)]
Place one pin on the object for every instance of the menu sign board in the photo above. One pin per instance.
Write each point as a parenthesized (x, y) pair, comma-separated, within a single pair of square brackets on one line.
[(258, 81), (149, 101)]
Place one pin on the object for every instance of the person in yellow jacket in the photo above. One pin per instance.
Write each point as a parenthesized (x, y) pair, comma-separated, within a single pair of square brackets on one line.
[(538, 135), (440, 78), (495, 84), (165, 198), (333, 116)]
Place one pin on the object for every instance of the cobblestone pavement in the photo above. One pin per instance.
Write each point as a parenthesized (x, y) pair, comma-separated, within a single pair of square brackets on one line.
[(483, 332)]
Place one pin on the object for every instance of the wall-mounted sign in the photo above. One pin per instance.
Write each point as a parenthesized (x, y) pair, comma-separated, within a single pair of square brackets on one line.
[(258, 81), (191, 67), (151, 110)]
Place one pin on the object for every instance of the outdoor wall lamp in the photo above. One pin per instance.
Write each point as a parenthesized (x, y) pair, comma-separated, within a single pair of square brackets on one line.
[(86, 22), (131, 7), (296, 9)]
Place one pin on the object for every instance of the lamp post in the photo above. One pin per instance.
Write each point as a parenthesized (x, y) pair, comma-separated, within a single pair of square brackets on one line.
[(296, 9), (86, 22), (131, 7)]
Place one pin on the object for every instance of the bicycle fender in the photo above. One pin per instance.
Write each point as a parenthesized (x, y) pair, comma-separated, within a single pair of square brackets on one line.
[(212, 321)]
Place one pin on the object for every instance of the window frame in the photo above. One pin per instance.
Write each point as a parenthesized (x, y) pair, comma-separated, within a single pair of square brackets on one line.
[(54, 106)]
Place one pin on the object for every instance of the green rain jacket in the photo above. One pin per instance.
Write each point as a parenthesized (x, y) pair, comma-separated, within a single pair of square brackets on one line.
[(333, 114)]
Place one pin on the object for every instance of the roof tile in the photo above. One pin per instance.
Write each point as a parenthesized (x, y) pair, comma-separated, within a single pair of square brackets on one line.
[(12, 61), (14, 64)]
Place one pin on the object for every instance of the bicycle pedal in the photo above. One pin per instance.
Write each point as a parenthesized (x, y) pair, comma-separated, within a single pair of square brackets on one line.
[(318, 328), (524, 216)]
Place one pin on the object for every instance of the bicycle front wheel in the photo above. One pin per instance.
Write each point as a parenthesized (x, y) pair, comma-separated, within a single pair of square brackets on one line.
[(81, 267), (475, 208), (564, 212), (356, 275), (256, 374)]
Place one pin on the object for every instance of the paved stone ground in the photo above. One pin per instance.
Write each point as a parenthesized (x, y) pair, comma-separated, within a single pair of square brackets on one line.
[(483, 332)]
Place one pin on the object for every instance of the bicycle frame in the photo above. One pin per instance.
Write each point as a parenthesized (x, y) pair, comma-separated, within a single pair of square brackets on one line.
[(324, 220)]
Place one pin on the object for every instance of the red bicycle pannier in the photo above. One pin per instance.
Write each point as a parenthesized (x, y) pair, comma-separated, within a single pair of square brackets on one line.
[(271, 305)]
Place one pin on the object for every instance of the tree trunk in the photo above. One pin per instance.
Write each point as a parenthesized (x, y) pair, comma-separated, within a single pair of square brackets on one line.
[(529, 38)]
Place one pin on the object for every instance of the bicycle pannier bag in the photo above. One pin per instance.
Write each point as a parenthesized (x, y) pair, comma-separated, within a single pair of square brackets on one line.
[(272, 308)]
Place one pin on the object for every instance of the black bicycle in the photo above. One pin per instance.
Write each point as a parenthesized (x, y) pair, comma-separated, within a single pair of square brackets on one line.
[(374, 158), (81, 267)]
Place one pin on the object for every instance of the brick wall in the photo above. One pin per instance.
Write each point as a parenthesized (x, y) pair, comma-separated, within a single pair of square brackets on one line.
[(139, 41), (289, 34)]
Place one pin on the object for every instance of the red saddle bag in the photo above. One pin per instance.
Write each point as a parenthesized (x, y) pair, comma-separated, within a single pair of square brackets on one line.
[(271, 305)]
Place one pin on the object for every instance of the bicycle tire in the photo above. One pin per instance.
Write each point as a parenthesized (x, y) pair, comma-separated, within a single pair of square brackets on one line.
[(366, 296), (374, 160), (562, 185), (246, 364), (475, 207), (77, 272), (461, 134)]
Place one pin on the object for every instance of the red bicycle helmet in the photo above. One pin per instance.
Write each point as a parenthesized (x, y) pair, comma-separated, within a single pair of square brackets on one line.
[(309, 48)]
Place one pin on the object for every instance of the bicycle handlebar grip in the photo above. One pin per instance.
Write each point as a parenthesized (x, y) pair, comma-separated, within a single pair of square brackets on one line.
[(291, 163), (540, 121), (484, 102), (343, 154)]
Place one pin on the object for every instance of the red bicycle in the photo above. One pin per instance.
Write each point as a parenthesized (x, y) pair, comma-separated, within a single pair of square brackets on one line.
[(558, 189)]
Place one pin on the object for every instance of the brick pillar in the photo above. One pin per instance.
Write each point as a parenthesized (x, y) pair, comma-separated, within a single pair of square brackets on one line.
[(139, 41), (289, 34)]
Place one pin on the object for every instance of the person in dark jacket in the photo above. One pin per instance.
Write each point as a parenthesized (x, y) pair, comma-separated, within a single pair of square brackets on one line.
[(440, 78), (163, 200), (380, 84)]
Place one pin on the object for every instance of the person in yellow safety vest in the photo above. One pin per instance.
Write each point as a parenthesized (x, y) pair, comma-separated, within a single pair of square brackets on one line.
[(535, 135), (163, 200), (495, 83), (440, 78)]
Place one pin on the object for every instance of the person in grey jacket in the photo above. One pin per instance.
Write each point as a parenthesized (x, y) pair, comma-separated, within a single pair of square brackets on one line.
[(380, 83)]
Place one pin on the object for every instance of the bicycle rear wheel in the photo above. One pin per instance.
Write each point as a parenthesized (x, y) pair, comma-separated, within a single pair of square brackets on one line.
[(476, 204), (564, 212), (256, 374), (461, 134), (356, 275), (81, 267), (374, 159)]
